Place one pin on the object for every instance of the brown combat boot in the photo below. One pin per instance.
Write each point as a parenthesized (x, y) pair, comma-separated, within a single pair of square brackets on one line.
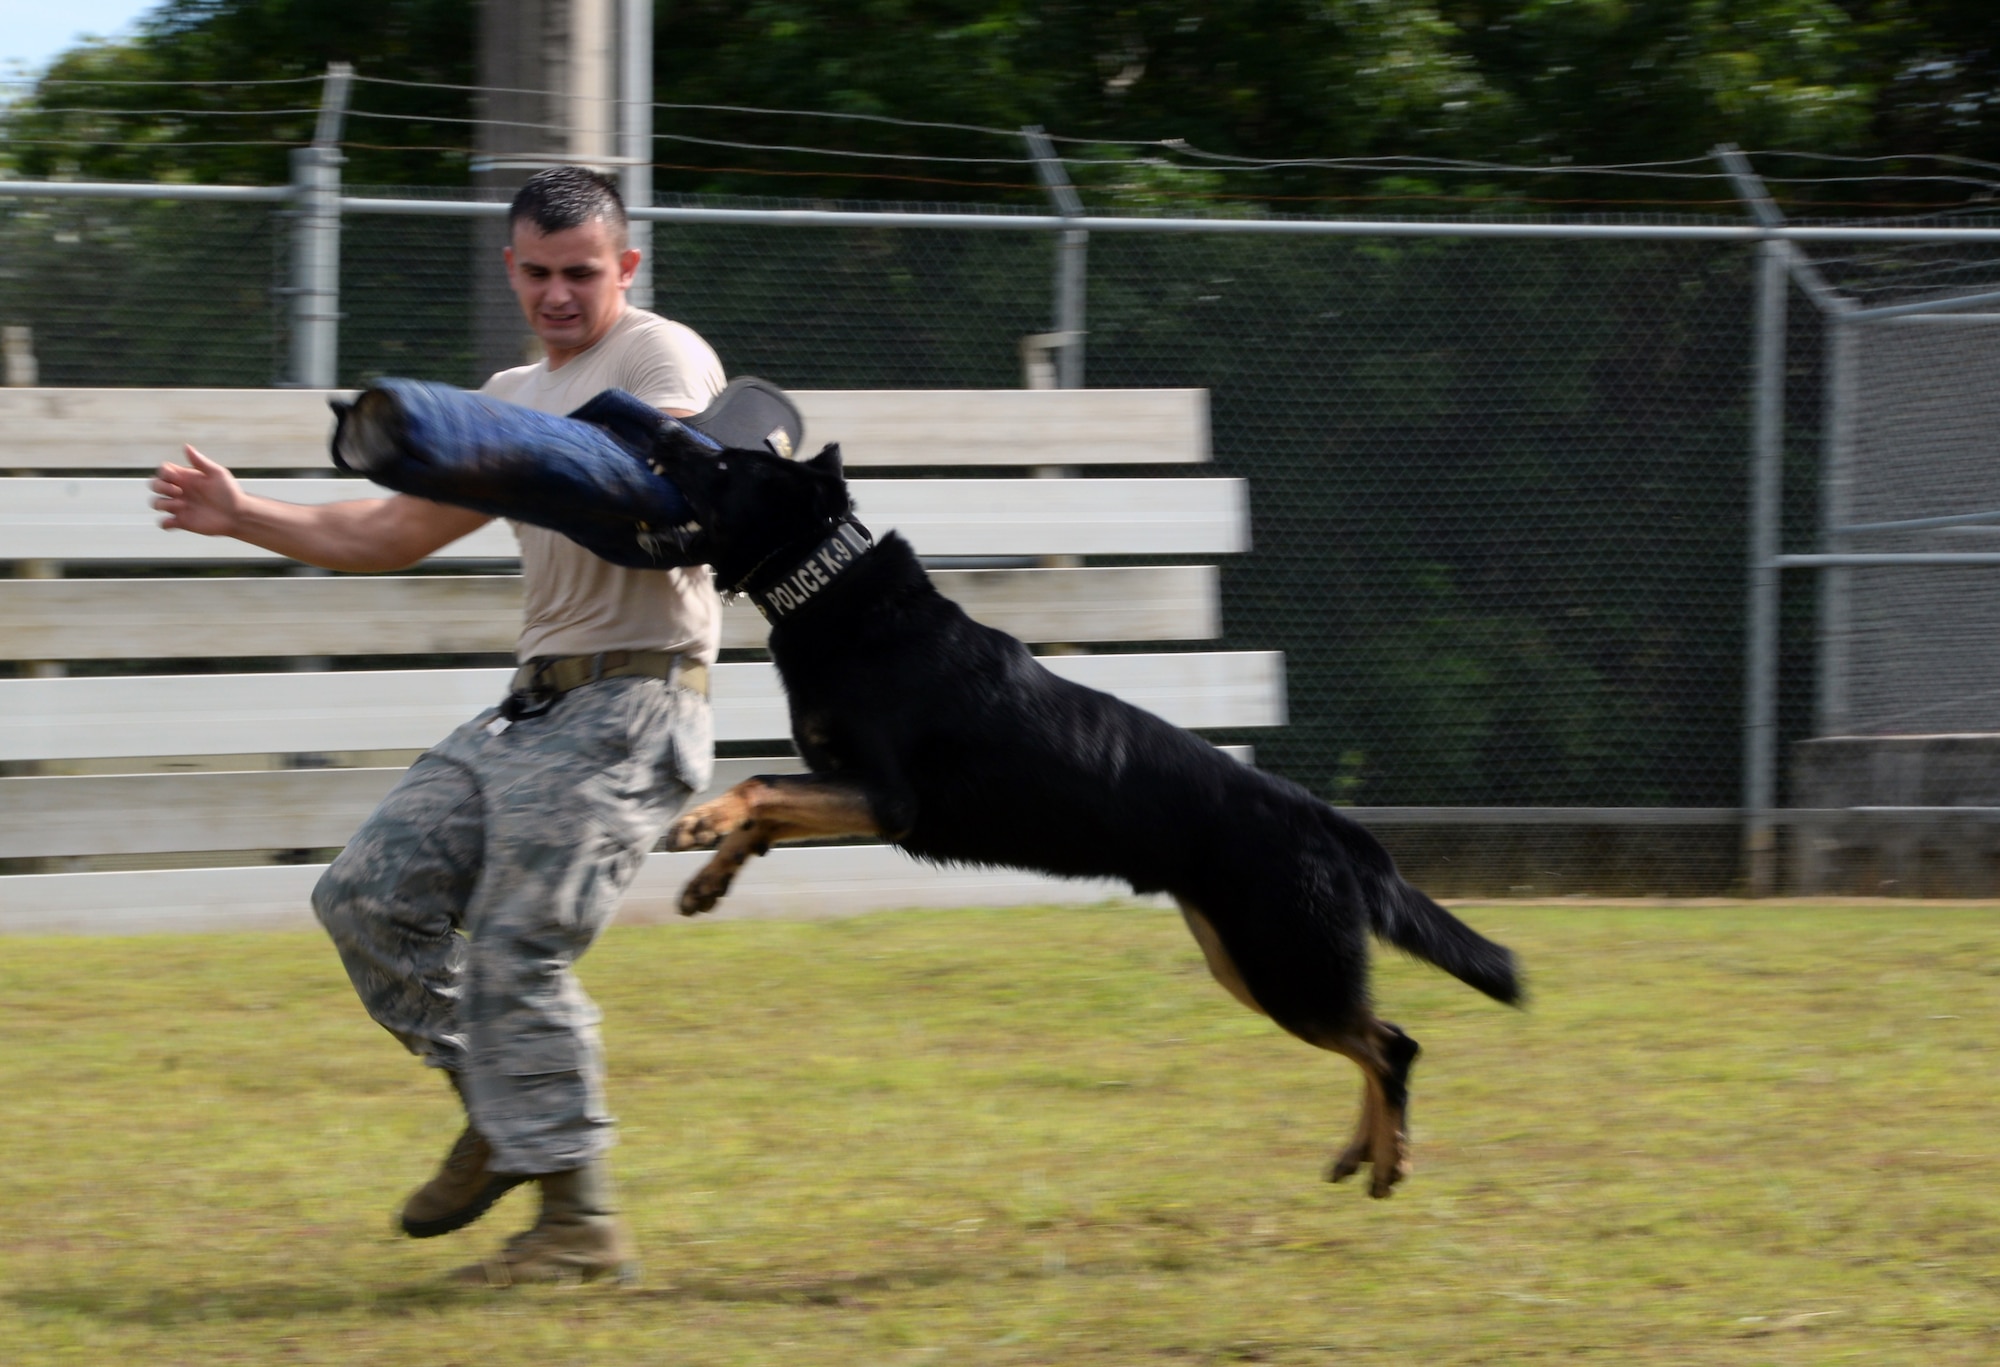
[(461, 1192), (578, 1238)]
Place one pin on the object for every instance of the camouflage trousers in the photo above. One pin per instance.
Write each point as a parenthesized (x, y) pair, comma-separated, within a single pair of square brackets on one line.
[(460, 906)]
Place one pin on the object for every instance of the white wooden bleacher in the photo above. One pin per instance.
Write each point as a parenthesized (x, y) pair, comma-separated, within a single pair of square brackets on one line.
[(165, 767)]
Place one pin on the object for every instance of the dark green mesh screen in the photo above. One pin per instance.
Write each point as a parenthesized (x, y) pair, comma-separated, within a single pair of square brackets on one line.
[(1498, 488)]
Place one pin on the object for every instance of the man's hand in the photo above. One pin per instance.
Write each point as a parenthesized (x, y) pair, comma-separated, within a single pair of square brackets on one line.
[(365, 535), (200, 497)]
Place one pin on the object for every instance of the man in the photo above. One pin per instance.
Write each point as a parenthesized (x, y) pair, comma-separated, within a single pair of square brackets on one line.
[(461, 904)]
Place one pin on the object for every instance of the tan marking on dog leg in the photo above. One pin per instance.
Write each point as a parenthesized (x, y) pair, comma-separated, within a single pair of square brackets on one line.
[(1359, 1148), (802, 809), (757, 814), (1382, 1138), (1379, 1138), (707, 888), (704, 827), (816, 809), (1219, 963), (1389, 1144)]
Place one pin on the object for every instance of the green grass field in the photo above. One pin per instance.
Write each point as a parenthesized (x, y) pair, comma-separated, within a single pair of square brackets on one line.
[(1721, 1134)]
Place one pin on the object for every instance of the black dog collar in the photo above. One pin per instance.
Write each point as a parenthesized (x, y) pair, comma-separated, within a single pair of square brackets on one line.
[(821, 566)]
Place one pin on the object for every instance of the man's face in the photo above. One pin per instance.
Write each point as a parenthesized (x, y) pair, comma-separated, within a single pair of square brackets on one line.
[(571, 283)]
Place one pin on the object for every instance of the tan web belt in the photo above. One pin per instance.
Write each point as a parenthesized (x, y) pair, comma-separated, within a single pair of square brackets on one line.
[(554, 675)]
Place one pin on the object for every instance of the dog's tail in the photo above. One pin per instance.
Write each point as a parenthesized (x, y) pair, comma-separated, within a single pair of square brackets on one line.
[(1415, 924)]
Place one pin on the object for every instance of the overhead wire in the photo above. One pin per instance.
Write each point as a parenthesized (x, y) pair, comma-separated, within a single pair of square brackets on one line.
[(156, 144), (1146, 154), (175, 113), (124, 81), (1885, 156), (852, 116), (705, 142)]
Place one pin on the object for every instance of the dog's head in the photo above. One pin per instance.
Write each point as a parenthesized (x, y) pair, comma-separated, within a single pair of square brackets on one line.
[(752, 505)]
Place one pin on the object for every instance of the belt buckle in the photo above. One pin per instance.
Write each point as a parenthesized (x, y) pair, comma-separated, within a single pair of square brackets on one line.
[(535, 696)]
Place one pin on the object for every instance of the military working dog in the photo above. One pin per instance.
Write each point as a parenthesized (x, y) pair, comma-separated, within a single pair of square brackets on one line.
[(947, 737)]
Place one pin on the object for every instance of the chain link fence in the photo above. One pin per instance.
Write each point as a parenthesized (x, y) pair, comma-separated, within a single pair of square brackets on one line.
[(1912, 648), (142, 292), (1498, 488)]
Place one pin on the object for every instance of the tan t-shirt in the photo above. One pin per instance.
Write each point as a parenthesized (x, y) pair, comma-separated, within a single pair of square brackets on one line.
[(576, 603)]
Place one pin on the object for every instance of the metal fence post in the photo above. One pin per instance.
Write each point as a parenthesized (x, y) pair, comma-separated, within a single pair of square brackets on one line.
[(1836, 584), (316, 240), (1070, 257), (635, 135), (1760, 703), (1775, 260)]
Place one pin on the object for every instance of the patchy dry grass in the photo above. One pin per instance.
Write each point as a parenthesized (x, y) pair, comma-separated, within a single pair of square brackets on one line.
[(1723, 1134)]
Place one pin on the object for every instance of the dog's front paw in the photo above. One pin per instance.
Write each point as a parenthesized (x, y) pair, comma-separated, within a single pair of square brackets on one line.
[(707, 825), (703, 891)]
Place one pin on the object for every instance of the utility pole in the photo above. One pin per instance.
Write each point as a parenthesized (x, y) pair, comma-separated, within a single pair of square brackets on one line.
[(548, 73), (635, 133), (315, 286)]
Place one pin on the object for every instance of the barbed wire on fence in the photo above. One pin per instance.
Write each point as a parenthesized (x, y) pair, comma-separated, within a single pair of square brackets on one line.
[(1106, 156)]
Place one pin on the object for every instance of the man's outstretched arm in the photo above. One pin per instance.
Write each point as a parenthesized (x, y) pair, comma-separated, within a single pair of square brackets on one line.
[(362, 534)]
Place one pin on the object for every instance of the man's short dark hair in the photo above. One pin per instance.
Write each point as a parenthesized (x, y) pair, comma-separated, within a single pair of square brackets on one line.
[(568, 197)]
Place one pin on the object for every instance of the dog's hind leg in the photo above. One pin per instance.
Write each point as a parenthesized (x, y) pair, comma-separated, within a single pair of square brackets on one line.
[(1382, 1138), (759, 813), (1220, 966), (1382, 1052), (1350, 1159)]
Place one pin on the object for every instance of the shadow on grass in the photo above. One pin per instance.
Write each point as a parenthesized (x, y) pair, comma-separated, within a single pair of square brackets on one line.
[(799, 1291), (167, 1307)]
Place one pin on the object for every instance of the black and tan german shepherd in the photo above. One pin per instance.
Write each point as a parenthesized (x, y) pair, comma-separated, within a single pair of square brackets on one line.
[(924, 728)]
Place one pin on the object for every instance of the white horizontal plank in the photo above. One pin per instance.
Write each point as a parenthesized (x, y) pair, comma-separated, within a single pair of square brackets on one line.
[(221, 618), (112, 519), (158, 813), (1009, 426), (1060, 516), (264, 809), (264, 615), (832, 881), (1089, 604), (239, 714), (284, 429), (259, 809), (1551, 816), (224, 714), (1198, 690), (111, 429)]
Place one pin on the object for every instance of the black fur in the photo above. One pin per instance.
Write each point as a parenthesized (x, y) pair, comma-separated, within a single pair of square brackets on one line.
[(955, 742), (969, 751)]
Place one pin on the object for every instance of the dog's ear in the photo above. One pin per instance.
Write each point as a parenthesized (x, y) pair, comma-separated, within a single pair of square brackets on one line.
[(827, 462)]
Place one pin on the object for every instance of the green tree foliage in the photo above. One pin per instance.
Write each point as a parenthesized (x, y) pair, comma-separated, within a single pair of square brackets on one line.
[(87, 119), (1302, 82), (1598, 82), (1932, 72), (1272, 79), (1526, 82)]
